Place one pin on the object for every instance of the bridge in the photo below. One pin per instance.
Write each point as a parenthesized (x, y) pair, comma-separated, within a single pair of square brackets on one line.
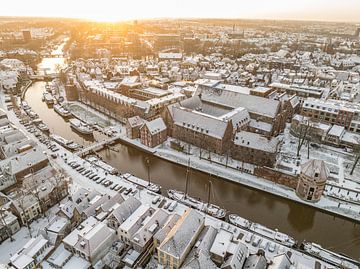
[(47, 77), (98, 146)]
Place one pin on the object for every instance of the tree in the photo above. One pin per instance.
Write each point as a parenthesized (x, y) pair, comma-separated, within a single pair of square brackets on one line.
[(4, 223), (357, 154), (302, 136)]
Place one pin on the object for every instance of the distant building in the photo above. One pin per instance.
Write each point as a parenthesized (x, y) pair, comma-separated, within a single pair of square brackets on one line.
[(26, 35), (312, 179)]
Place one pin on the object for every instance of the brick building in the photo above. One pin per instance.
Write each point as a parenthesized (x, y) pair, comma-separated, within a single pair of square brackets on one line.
[(311, 183), (255, 149), (153, 133)]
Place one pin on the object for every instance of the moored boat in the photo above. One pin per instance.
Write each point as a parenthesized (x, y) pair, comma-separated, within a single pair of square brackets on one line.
[(43, 127), (210, 209), (333, 258), (96, 161), (81, 127), (48, 98), (62, 111), (275, 235), (64, 142), (143, 183)]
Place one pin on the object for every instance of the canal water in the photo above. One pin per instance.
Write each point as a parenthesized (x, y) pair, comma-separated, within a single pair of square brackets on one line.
[(301, 222)]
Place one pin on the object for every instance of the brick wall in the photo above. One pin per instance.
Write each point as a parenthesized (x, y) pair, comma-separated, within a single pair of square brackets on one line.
[(277, 176)]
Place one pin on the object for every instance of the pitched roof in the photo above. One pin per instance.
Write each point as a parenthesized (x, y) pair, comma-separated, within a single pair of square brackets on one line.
[(199, 122), (313, 167), (156, 126), (256, 141), (180, 236)]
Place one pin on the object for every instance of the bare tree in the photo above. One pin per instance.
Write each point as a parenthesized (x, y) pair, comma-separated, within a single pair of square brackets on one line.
[(21, 203), (5, 224), (357, 156), (302, 137)]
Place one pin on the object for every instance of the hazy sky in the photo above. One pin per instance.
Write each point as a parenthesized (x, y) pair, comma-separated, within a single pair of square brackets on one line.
[(113, 10)]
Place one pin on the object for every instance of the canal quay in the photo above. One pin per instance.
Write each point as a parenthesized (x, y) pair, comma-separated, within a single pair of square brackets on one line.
[(301, 222)]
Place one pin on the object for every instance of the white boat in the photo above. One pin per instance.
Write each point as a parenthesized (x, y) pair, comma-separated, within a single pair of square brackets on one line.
[(43, 127), (64, 142), (32, 114), (48, 87), (275, 235), (96, 161), (25, 105), (62, 111), (210, 209), (143, 183), (81, 127), (48, 98), (239, 221), (336, 259)]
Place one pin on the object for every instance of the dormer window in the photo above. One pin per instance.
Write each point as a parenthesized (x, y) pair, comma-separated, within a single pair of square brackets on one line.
[(316, 174)]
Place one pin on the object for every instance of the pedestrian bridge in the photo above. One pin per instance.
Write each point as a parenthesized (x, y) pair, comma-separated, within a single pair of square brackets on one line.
[(98, 146)]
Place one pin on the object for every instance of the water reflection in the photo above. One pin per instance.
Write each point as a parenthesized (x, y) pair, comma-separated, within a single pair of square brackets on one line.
[(298, 221)]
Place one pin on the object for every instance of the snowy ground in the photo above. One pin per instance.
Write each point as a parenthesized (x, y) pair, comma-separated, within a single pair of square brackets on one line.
[(8, 247), (147, 197), (327, 203)]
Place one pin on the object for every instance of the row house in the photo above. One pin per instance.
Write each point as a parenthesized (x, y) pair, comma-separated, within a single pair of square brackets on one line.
[(342, 113), (91, 240), (26, 207), (31, 254), (181, 238)]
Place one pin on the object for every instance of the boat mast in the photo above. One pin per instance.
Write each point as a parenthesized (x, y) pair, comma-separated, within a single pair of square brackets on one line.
[(187, 177), (148, 169), (210, 185)]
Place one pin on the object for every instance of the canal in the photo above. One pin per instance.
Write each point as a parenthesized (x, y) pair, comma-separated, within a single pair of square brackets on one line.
[(301, 222)]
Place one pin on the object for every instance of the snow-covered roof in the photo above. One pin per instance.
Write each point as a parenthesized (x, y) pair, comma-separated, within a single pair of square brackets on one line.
[(315, 169), (182, 234), (156, 126), (199, 122), (256, 141)]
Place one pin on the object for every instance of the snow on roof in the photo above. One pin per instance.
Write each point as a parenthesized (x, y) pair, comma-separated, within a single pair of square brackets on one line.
[(125, 209), (231, 99), (315, 167), (336, 130), (261, 125), (145, 233), (256, 141), (221, 243), (59, 256), (76, 262), (156, 126), (233, 88), (134, 217), (199, 122), (180, 236), (135, 121), (170, 55), (57, 224)]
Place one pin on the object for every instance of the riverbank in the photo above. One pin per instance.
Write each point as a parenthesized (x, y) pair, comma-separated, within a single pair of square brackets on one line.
[(326, 204)]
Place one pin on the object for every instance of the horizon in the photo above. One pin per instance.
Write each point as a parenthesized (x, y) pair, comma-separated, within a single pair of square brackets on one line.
[(283, 10)]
